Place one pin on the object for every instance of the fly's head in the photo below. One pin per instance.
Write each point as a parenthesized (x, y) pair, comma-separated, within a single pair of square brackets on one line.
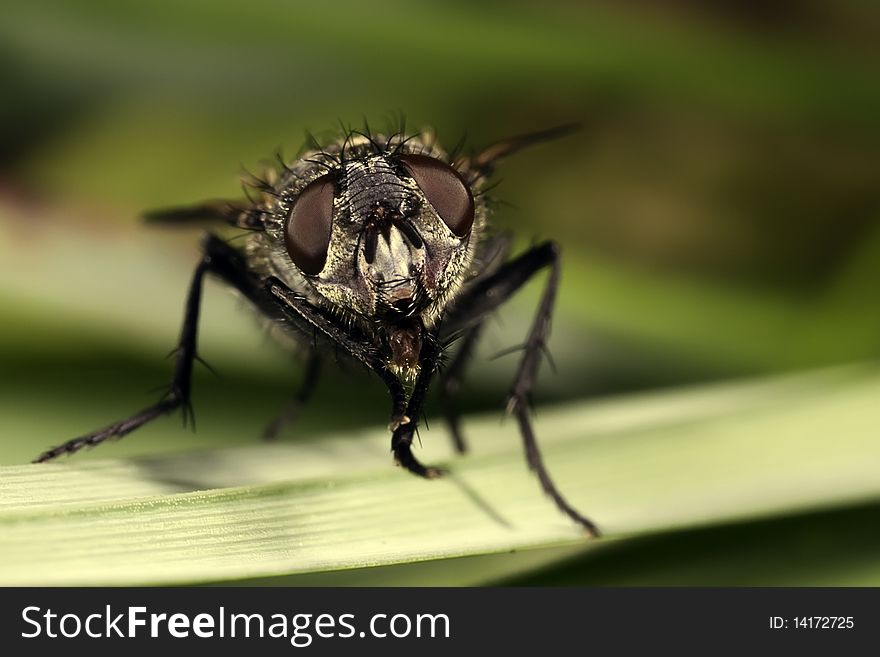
[(381, 229)]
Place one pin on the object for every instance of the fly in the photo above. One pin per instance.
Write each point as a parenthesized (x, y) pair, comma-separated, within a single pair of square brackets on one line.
[(374, 246)]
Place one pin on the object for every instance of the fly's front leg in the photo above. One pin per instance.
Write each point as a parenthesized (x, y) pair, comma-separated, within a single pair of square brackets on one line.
[(345, 338), (404, 410), (485, 297), (178, 395)]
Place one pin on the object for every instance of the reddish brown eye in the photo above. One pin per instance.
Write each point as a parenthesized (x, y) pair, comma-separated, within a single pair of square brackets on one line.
[(444, 189), (308, 226)]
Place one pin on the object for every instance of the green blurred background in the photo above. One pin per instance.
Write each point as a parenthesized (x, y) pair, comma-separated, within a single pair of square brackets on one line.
[(719, 210)]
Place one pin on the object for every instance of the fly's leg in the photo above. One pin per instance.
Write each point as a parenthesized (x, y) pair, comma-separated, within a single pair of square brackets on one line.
[(483, 298), (451, 376), (178, 395), (290, 412), (404, 410), (450, 382), (347, 339), (403, 429), (220, 260)]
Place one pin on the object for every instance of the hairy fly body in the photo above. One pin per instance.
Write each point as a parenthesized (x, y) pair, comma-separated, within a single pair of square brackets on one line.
[(376, 247)]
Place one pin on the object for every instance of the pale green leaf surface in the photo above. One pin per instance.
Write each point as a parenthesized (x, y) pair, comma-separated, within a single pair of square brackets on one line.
[(637, 465)]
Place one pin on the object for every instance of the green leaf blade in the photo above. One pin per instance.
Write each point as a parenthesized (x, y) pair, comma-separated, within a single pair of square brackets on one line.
[(654, 462)]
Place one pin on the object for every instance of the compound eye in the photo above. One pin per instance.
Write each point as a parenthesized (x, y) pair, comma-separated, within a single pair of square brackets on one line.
[(445, 190), (308, 227)]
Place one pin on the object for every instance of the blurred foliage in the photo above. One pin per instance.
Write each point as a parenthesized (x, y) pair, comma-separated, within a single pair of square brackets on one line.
[(719, 210)]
